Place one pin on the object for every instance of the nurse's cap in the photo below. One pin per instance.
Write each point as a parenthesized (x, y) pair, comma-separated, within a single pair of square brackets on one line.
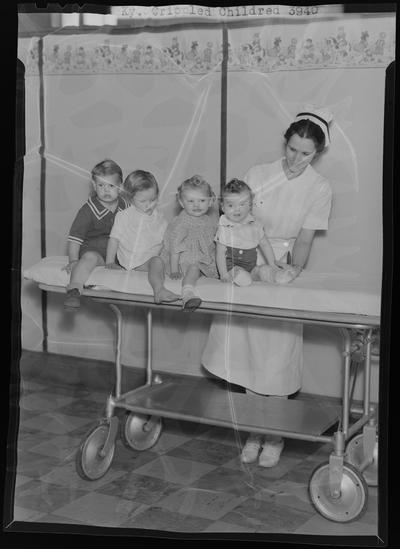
[(321, 117)]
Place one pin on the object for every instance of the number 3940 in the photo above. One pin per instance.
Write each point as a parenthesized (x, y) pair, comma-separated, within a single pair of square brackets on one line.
[(306, 10)]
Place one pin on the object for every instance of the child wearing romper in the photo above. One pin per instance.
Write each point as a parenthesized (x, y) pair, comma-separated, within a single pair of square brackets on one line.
[(137, 234), (238, 237), (88, 236), (188, 247)]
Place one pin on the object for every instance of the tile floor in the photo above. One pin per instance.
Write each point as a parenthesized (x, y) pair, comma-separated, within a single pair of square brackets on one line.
[(190, 481)]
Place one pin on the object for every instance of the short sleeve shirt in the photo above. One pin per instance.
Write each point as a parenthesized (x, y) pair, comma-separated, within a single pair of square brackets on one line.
[(285, 206), (94, 220), (139, 236), (245, 235)]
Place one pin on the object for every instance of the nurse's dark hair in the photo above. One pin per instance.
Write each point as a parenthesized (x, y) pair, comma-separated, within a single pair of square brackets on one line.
[(106, 167), (140, 180), (309, 130)]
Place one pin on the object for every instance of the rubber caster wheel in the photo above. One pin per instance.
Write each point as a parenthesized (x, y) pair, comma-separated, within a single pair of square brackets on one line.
[(355, 456), (90, 463), (140, 432), (353, 499)]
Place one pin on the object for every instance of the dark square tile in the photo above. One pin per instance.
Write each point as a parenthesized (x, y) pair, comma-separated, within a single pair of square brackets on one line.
[(45, 497), (301, 473), (266, 516), (35, 465), (204, 451), (84, 408), (156, 518), (223, 479), (187, 428), (139, 488)]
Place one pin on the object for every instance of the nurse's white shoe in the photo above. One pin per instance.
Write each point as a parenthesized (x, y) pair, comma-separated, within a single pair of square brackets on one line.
[(271, 453), (251, 449)]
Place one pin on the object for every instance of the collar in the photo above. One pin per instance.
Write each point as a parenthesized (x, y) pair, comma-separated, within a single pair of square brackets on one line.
[(225, 222), (100, 211)]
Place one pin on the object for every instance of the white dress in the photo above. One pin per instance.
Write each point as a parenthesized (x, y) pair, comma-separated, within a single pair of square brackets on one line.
[(266, 356)]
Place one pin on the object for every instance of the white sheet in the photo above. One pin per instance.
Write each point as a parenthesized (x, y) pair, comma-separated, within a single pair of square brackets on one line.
[(322, 292)]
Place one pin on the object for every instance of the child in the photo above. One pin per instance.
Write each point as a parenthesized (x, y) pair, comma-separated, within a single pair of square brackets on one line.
[(88, 237), (238, 237), (188, 248), (137, 234)]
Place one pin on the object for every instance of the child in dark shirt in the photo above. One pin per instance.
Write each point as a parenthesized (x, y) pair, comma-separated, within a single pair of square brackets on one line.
[(89, 233)]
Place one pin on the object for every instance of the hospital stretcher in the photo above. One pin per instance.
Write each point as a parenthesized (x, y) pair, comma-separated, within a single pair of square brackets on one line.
[(338, 488)]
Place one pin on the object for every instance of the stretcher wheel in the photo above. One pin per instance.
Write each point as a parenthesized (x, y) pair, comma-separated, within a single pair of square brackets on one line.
[(90, 463), (355, 456), (140, 432), (353, 499)]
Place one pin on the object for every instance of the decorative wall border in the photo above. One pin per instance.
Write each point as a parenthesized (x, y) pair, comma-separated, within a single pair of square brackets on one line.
[(165, 54)]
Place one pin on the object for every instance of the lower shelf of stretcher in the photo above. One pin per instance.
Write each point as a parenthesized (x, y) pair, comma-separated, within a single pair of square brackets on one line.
[(200, 401)]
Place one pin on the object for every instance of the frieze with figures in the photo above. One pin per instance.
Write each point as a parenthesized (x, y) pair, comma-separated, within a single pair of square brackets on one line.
[(333, 51)]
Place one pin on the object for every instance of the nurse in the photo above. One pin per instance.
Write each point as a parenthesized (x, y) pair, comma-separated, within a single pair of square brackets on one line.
[(292, 200)]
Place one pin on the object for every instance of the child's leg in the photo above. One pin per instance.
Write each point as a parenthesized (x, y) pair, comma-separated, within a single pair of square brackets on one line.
[(156, 270), (240, 276), (190, 300), (79, 275)]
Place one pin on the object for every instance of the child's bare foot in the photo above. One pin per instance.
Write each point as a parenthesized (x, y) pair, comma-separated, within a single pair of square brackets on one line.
[(164, 295)]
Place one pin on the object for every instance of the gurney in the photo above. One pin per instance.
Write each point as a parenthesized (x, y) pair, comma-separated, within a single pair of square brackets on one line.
[(338, 488)]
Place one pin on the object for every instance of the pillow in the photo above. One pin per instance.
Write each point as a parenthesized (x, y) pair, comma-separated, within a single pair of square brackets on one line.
[(49, 271)]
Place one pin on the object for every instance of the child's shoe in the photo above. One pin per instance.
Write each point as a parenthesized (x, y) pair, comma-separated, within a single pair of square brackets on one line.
[(190, 301), (241, 277), (72, 302), (251, 449), (271, 453)]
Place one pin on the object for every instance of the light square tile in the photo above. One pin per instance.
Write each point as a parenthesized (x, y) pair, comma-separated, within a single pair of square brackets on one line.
[(98, 509), (225, 527), (200, 503), (318, 525), (67, 475), (175, 470), (287, 493), (56, 423), (167, 442), (63, 447), (29, 515), (44, 402), (29, 385), (21, 479), (157, 518)]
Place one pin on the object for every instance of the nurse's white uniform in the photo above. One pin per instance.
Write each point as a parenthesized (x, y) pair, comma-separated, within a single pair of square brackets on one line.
[(266, 356)]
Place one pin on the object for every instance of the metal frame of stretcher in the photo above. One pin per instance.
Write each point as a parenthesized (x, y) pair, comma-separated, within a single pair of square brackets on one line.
[(338, 489)]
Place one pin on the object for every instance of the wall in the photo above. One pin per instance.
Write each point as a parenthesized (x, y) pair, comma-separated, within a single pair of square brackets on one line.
[(166, 118)]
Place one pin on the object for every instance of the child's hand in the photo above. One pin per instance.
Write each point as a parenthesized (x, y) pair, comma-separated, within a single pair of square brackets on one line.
[(226, 278), (70, 266), (113, 266), (175, 275), (280, 264), (288, 274)]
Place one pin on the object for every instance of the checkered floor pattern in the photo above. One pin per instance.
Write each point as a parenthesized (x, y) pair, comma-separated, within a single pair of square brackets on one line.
[(190, 481)]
